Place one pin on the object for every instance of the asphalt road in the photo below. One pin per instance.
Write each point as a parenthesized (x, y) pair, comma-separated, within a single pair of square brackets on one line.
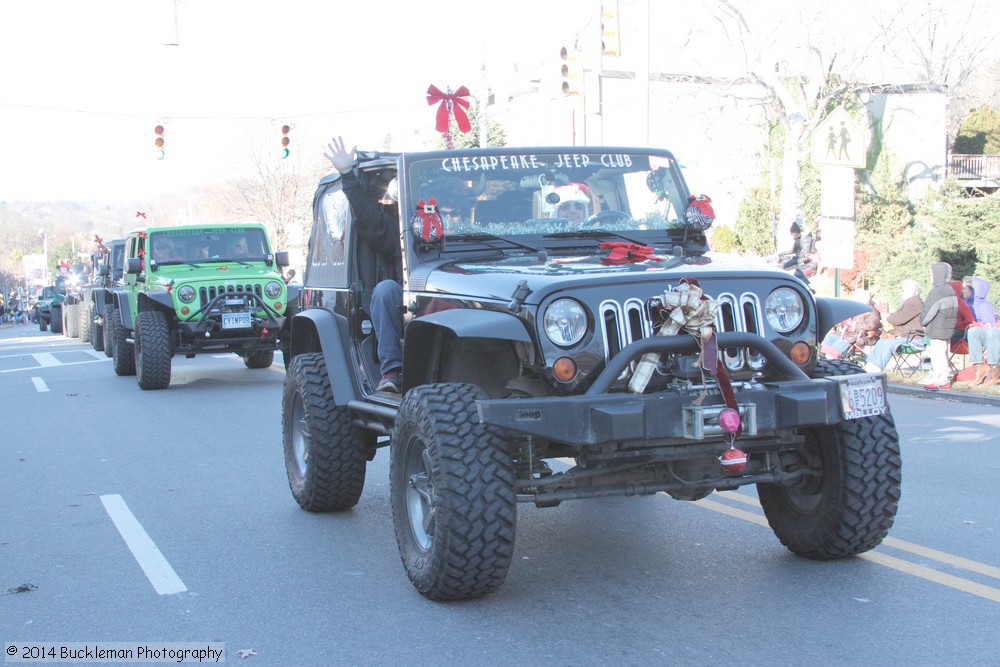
[(89, 464)]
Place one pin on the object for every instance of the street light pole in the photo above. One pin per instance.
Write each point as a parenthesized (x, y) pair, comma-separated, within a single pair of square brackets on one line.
[(45, 254)]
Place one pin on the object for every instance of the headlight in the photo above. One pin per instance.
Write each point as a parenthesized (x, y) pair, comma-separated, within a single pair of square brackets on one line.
[(565, 322), (784, 309), (272, 290), (186, 294)]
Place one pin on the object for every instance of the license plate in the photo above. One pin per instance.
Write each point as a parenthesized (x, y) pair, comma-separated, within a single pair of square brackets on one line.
[(862, 396), (236, 320)]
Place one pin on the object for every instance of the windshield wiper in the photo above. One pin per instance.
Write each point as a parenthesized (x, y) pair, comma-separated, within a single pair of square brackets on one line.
[(590, 234), (482, 237), (171, 262)]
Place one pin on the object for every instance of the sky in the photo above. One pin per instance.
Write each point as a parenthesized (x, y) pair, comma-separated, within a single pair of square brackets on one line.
[(83, 82)]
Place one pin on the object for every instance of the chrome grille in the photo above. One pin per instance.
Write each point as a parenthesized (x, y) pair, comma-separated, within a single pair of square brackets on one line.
[(206, 294), (623, 323)]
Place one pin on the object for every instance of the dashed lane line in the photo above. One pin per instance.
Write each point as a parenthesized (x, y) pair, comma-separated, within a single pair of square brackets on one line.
[(156, 568), (40, 385)]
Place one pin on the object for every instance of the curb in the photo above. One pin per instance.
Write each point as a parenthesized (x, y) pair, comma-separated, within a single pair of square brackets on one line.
[(961, 397)]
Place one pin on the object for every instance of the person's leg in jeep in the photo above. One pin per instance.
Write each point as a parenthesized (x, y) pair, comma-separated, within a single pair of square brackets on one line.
[(387, 318)]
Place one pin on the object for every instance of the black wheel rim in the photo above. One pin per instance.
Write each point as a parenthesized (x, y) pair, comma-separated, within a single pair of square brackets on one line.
[(299, 436)]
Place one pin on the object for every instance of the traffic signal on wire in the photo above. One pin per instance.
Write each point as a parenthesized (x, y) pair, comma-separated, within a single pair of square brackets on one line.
[(285, 129), (571, 70), (610, 38), (158, 141)]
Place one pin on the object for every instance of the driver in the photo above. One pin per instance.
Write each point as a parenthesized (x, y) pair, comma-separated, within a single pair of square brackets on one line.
[(574, 203)]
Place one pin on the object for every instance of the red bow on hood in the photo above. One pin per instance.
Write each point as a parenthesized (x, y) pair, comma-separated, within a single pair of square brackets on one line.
[(450, 102), (620, 252)]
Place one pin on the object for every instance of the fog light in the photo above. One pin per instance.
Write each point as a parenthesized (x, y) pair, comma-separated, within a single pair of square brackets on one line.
[(185, 310), (800, 353), (564, 369), (277, 306)]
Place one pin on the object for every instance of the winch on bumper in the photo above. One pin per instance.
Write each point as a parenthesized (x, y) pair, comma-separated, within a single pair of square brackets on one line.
[(232, 317), (690, 414)]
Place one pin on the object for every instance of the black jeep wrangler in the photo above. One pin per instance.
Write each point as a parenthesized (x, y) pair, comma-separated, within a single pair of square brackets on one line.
[(569, 335)]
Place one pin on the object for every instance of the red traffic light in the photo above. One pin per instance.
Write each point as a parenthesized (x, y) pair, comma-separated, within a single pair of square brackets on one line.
[(158, 142)]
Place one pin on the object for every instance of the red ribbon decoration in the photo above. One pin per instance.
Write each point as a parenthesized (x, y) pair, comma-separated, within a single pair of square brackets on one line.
[(623, 252), (431, 220), (140, 214), (450, 103)]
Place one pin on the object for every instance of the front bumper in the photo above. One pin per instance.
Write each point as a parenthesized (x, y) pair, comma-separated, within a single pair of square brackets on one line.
[(676, 415), (204, 329)]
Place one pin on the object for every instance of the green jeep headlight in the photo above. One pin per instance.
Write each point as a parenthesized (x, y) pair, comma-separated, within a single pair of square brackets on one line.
[(186, 294), (272, 290)]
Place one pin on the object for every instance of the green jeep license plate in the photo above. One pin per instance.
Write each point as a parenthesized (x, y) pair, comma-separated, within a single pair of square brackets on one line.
[(236, 320)]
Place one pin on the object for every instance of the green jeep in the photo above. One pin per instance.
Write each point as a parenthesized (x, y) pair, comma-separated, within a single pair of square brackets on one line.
[(196, 289)]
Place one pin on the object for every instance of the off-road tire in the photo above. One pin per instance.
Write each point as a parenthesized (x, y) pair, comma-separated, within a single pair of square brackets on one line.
[(851, 508), (123, 357), (71, 321), (84, 322), (325, 454), (43, 324), (108, 330), (259, 359), (96, 335), (451, 483), (152, 350), (56, 319)]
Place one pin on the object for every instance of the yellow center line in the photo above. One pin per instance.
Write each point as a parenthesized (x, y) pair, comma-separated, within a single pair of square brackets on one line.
[(898, 564)]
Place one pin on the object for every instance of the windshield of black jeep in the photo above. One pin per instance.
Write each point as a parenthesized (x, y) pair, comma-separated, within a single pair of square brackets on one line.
[(199, 244), (547, 196)]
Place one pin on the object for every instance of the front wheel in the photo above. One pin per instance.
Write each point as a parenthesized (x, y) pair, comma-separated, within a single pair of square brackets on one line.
[(123, 356), (108, 330), (71, 321), (152, 350), (451, 483), (850, 506), (325, 454), (56, 319)]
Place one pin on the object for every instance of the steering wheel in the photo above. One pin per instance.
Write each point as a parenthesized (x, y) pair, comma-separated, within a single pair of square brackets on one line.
[(605, 216)]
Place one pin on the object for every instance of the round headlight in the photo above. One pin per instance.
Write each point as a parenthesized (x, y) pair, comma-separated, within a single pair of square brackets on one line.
[(565, 322), (784, 309), (186, 294), (272, 290)]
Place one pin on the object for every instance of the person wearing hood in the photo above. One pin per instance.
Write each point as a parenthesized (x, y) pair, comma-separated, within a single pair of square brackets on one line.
[(904, 323), (939, 316), (984, 335)]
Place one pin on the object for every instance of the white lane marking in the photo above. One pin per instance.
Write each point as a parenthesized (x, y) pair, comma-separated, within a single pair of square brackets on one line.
[(39, 384), (100, 356), (145, 551), (71, 363), (45, 359)]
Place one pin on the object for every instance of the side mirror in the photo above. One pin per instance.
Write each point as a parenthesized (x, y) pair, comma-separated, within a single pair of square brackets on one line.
[(133, 265), (281, 258)]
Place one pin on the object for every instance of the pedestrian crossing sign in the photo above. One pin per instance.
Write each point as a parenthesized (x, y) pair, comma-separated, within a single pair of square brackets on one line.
[(839, 142)]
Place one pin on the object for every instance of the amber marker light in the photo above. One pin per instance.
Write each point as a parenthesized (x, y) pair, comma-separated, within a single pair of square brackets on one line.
[(277, 306), (800, 353), (185, 310), (564, 369)]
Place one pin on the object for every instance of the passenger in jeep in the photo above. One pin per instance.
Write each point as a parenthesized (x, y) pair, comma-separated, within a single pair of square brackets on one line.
[(377, 223)]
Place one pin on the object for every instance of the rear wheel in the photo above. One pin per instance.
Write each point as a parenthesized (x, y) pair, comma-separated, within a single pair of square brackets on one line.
[(56, 319), (259, 359), (325, 454), (108, 330), (96, 335), (43, 323), (71, 321), (850, 507), (85, 320), (451, 484), (152, 350), (123, 356)]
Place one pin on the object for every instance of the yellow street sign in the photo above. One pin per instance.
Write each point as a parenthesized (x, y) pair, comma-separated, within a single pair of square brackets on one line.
[(839, 142)]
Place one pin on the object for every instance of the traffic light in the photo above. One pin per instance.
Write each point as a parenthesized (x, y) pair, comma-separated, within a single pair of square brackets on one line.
[(158, 142), (285, 129), (572, 73), (611, 44)]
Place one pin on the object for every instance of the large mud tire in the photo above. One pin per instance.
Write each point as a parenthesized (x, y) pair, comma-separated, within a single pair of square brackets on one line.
[(152, 350), (451, 483), (851, 508), (96, 335), (56, 319), (43, 323), (71, 321), (123, 357), (259, 359), (86, 319), (108, 330), (325, 454)]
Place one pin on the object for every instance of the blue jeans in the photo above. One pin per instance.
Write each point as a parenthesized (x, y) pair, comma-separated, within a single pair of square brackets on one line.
[(387, 318), (982, 337), (883, 350)]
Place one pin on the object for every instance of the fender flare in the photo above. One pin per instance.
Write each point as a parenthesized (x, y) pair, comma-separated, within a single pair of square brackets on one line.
[(319, 330), (833, 311), (124, 313)]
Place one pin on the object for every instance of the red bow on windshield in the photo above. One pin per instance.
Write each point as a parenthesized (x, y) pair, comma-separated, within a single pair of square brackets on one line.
[(450, 103), (621, 252)]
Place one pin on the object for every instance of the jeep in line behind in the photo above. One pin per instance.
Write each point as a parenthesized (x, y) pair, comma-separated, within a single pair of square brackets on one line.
[(569, 335), (197, 289)]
